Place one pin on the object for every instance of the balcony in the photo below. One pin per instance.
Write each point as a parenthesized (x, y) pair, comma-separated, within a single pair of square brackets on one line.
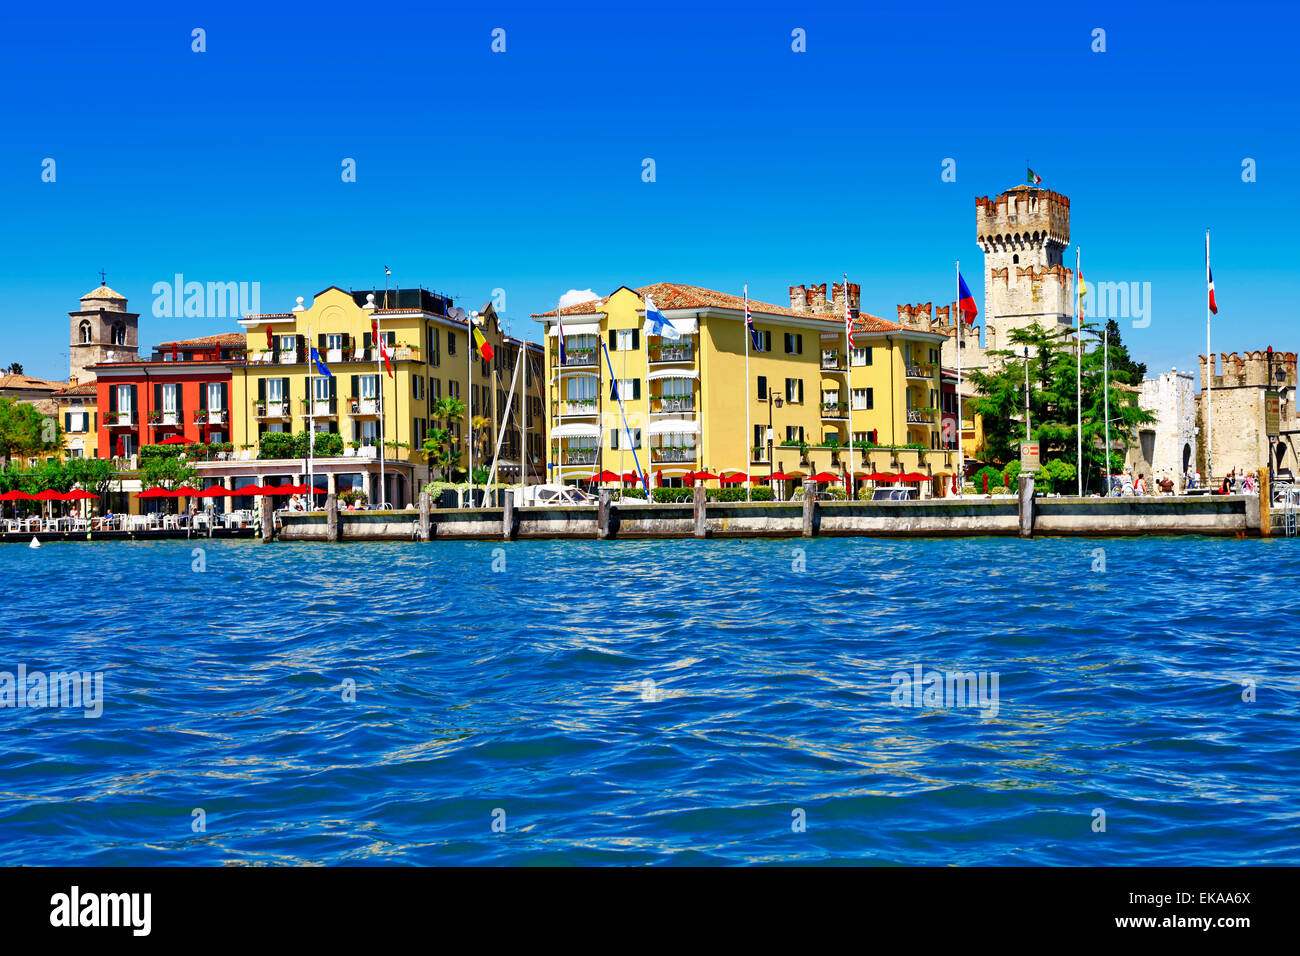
[(124, 419), (361, 407), (361, 451), (164, 419), (574, 358), (579, 457), (582, 406), (835, 411), (662, 354), (210, 416), (288, 357), (320, 408), (922, 370), (920, 416), (663, 456), (274, 410), (672, 403), (832, 361)]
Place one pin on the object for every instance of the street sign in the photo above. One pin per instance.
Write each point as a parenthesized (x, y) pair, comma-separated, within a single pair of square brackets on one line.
[(1272, 413), (1029, 456)]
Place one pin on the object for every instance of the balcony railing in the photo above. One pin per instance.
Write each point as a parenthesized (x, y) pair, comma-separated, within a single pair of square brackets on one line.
[(672, 353), (273, 410), (835, 410), (574, 358), (665, 455), (164, 419), (586, 457), (289, 357), (581, 407), (320, 408), (210, 416), (120, 419), (917, 416), (683, 403), (920, 370), (362, 407), (832, 361)]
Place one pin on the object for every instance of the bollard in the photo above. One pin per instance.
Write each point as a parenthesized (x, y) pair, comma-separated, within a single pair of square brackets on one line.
[(602, 514), (809, 514), (1026, 502), (1265, 505), (333, 529), (701, 524), (426, 503), (267, 520), (508, 516)]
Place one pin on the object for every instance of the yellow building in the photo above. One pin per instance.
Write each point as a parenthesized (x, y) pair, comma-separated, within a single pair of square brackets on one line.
[(687, 401), (79, 417), (278, 389)]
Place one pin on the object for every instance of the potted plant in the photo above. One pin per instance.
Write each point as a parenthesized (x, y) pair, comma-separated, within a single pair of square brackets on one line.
[(201, 416), (155, 418)]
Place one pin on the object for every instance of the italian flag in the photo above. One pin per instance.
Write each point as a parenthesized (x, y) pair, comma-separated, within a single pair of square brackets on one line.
[(1034, 178), (481, 343)]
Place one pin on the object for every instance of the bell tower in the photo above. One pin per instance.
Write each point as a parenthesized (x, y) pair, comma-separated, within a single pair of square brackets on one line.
[(101, 331), (1024, 233)]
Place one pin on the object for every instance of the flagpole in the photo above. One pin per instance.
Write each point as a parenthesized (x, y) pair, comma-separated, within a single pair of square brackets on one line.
[(1209, 376), (469, 383), (1078, 352), (379, 368), (848, 357), (958, 323), (1105, 378), (749, 431), (311, 411)]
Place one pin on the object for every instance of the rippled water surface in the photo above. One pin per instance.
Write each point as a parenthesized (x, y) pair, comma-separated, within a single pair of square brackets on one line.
[(658, 702)]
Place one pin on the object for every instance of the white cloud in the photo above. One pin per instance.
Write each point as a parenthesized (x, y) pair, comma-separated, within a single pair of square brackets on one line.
[(574, 296)]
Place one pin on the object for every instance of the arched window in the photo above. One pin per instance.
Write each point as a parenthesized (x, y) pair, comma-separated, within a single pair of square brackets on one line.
[(119, 334), (84, 332), (1015, 260)]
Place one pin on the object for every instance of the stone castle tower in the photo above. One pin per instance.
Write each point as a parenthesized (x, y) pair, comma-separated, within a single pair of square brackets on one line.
[(101, 331), (1024, 233)]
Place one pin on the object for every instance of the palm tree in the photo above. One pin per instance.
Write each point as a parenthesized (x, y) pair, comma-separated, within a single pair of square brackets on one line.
[(439, 445)]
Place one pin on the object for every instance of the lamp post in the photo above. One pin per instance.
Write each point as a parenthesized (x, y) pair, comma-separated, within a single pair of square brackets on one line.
[(1027, 438)]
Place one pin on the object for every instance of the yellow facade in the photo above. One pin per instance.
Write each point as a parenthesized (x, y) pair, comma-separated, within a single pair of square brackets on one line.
[(431, 358), (688, 400)]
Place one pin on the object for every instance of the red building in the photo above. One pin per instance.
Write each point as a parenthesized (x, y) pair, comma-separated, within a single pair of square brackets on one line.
[(184, 389)]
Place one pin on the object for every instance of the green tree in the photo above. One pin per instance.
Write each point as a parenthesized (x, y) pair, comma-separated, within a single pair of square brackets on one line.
[(440, 444), (1122, 367), (166, 469), (15, 368), (1053, 404), (24, 431)]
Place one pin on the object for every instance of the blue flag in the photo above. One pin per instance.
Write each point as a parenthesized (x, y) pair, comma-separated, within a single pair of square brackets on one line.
[(320, 364)]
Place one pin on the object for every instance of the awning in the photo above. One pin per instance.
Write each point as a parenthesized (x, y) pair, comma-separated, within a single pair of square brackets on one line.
[(575, 430), (571, 372), (673, 373), (670, 426), (574, 328), (683, 325)]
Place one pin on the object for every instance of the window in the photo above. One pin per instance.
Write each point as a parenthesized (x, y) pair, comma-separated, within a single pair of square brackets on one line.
[(334, 340), (871, 398), (762, 388), (214, 396), (453, 388), (169, 399), (320, 387), (626, 340), (451, 342), (677, 388), (124, 398), (367, 386), (118, 335), (629, 389), (288, 343), (84, 331), (417, 387), (794, 433), (859, 399), (580, 388), (793, 344), (767, 340), (275, 389), (860, 356), (369, 432), (614, 434), (794, 390), (432, 340)]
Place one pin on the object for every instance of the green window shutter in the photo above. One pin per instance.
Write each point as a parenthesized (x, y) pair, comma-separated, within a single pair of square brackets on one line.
[(354, 391), (203, 396), (762, 388), (636, 339), (261, 389), (636, 388)]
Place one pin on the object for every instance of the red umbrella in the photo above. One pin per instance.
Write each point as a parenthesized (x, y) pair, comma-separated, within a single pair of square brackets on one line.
[(659, 478), (281, 490), (735, 478), (187, 491), (77, 494), (780, 476), (700, 476), (156, 492), (913, 476), (216, 491), (249, 490), (607, 475), (49, 494), (17, 495), (880, 476), (631, 476), (176, 440), (825, 476)]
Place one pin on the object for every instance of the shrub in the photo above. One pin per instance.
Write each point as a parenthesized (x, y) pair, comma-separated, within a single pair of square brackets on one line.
[(837, 493), (994, 476), (1057, 475), (629, 493), (327, 444), (673, 495)]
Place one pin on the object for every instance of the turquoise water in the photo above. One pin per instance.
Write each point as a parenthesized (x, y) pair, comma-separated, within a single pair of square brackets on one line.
[(659, 702)]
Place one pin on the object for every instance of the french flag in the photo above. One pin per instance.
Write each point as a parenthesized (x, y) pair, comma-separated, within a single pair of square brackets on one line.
[(1209, 276), (967, 301)]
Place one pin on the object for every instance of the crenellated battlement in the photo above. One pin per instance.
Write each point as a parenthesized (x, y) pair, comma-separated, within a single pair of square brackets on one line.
[(1249, 369), (812, 298), (1022, 215)]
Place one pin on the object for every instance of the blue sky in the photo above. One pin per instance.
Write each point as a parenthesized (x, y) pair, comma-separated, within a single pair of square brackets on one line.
[(522, 170)]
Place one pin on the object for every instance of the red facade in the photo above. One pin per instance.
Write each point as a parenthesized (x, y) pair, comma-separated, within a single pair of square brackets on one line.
[(142, 403)]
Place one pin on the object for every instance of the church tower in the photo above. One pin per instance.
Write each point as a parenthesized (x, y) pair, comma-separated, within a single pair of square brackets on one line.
[(102, 331), (1024, 233)]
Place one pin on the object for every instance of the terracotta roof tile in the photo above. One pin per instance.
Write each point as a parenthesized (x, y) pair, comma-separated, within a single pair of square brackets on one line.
[(29, 382), (223, 338)]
